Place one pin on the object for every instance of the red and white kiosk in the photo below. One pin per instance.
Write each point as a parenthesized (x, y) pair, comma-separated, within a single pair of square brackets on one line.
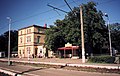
[(69, 51)]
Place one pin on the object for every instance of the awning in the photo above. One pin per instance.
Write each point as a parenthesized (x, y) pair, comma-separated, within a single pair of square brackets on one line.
[(69, 48)]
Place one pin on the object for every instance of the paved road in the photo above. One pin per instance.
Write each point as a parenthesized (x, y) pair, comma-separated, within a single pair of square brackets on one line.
[(37, 71)]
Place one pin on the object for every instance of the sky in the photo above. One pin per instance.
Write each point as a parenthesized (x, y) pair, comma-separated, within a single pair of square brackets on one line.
[(24, 13)]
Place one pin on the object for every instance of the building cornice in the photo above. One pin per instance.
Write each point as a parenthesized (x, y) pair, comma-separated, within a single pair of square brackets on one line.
[(33, 26)]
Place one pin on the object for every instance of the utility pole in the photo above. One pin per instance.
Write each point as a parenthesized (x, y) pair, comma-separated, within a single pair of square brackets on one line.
[(110, 39), (82, 36), (9, 41), (109, 32)]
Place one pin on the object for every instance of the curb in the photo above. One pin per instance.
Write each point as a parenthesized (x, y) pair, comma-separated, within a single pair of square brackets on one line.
[(49, 63), (68, 64), (8, 72), (94, 66)]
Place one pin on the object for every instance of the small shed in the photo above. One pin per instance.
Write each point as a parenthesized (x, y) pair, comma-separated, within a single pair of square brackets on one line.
[(69, 51)]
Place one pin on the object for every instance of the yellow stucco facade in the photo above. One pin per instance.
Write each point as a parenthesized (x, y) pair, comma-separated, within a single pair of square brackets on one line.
[(31, 41)]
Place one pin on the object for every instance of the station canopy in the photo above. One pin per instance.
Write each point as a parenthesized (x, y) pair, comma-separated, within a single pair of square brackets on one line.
[(69, 48)]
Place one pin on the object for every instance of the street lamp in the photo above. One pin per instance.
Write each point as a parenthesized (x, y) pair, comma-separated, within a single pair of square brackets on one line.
[(9, 23), (108, 24)]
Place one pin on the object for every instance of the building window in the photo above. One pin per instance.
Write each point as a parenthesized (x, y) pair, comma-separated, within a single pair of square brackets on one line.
[(28, 49), (21, 32), (20, 52), (38, 39), (29, 30), (38, 29), (21, 40), (43, 31), (28, 38)]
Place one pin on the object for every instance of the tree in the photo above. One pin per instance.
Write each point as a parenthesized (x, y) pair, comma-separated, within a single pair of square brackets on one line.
[(115, 35), (2, 43), (54, 39), (13, 41), (94, 27), (68, 29)]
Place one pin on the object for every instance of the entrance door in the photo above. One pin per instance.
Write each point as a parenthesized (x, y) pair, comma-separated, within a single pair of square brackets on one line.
[(36, 52)]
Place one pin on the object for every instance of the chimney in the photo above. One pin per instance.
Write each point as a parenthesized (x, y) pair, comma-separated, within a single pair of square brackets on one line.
[(45, 25)]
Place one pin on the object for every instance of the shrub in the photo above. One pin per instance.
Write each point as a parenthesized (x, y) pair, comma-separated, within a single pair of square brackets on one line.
[(102, 59), (3, 74)]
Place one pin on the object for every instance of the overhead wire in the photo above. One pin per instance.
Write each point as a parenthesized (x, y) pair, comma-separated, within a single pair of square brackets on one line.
[(76, 2), (73, 1), (39, 13), (19, 20), (51, 10), (109, 1)]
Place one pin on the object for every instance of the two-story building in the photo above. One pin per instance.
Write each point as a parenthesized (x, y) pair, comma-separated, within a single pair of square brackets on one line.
[(31, 41)]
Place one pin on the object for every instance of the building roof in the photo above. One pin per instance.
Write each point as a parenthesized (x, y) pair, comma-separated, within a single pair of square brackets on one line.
[(69, 48), (33, 26)]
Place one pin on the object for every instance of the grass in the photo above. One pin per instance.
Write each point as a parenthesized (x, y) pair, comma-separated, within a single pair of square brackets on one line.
[(102, 59)]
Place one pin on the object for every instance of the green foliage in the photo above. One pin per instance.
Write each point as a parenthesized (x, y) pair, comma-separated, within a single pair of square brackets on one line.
[(115, 35), (102, 59), (4, 74), (13, 41), (53, 38), (15, 48), (94, 28), (68, 29)]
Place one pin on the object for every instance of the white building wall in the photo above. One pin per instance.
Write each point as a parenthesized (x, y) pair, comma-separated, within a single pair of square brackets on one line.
[(41, 51)]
